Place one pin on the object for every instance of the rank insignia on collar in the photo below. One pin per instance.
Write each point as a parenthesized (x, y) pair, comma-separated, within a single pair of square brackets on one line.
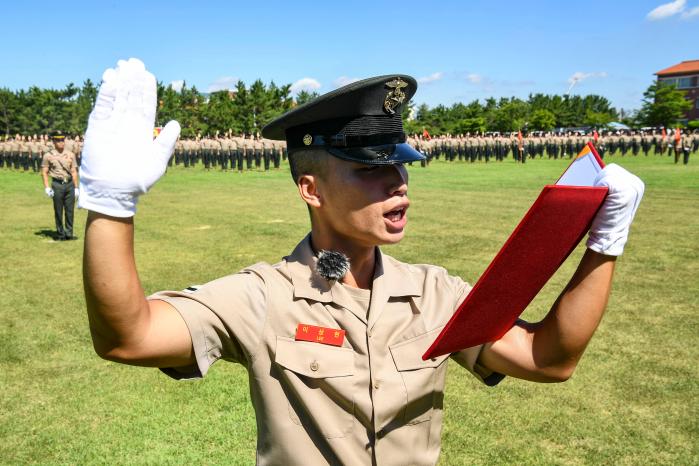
[(396, 96)]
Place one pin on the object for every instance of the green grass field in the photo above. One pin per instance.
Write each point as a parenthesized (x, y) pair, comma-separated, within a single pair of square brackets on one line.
[(633, 399)]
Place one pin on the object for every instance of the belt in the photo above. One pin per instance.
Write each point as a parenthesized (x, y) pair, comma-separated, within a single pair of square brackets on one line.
[(62, 181)]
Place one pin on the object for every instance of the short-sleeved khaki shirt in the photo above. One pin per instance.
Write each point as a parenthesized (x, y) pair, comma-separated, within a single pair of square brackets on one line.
[(371, 400), (60, 164)]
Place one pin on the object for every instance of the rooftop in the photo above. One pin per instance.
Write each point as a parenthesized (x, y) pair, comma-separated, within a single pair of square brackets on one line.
[(687, 66)]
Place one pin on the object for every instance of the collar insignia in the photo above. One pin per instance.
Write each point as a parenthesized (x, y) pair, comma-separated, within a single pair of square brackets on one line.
[(396, 96)]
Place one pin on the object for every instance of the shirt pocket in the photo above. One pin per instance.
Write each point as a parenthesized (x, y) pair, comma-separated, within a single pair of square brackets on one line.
[(319, 383), (423, 380)]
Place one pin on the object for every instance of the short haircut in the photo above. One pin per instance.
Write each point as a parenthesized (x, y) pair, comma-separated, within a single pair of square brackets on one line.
[(308, 162)]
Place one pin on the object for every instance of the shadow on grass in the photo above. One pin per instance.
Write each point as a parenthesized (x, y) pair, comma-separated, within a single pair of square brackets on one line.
[(47, 234)]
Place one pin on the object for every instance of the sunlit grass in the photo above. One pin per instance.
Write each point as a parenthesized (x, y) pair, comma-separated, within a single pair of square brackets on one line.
[(633, 399)]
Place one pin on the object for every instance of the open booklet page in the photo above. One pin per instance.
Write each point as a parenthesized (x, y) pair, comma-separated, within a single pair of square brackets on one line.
[(583, 170)]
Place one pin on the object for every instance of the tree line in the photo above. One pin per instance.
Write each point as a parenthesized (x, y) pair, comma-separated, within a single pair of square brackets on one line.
[(247, 108)]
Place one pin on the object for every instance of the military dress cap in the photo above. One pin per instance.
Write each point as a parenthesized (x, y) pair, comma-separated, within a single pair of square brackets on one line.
[(360, 122), (58, 136)]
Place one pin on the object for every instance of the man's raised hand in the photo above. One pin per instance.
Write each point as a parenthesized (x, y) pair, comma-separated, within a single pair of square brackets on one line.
[(121, 160), (610, 228)]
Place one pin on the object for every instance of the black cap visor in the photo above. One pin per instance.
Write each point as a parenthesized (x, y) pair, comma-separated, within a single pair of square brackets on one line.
[(388, 154)]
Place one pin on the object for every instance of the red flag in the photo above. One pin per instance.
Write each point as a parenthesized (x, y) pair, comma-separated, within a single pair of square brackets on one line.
[(519, 136), (596, 136), (664, 133), (678, 135), (426, 134)]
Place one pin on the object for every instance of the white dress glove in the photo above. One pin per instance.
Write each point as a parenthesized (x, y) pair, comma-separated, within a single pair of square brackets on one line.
[(77, 192), (610, 228), (49, 192), (120, 159)]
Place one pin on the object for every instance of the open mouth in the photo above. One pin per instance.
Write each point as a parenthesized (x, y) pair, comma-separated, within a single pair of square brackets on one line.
[(395, 215)]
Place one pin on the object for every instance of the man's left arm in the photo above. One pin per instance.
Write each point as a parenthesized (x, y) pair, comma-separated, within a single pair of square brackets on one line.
[(549, 350)]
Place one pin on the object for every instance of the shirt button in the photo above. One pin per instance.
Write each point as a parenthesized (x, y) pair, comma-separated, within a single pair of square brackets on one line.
[(376, 384), (314, 366)]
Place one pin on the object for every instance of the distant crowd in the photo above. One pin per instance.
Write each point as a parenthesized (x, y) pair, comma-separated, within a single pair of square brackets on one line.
[(487, 147), (249, 152)]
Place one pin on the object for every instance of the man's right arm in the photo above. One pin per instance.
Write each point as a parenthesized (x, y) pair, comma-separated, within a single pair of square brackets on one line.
[(121, 162), (125, 326)]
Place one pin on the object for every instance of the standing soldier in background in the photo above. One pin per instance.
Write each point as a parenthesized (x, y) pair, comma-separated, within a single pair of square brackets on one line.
[(569, 145), (686, 146), (623, 144), (248, 153), (225, 151), (601, 145), (520, 147), (188, 145), (267, 152), (612, 143), (69, 146), (178, 152), (678, 144), (257, 148), (60, 165), (14, 151), (488, 147), (278, 153), (5, 153), (78, 150), (662, 139), (35, 148), (205, 148), (216, 152), (24, 153), (237, 148), (645, 143), (655, 141), (197, 150), (635, 143)]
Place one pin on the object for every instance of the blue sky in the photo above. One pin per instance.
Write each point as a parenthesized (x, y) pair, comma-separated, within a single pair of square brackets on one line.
[(459, 50)]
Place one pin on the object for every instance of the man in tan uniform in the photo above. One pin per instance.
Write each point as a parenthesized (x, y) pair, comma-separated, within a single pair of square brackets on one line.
[(332, 335), (60, 166)]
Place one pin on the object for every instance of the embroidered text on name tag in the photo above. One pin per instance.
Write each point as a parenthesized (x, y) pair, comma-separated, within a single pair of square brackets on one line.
[(327, 336)]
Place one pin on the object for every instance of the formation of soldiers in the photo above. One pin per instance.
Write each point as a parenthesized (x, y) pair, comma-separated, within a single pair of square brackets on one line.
[(24, 153), (250, 152), (246, 152), (498, 147)]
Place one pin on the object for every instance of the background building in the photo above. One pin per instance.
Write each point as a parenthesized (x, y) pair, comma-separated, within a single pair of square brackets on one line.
[(684, 76)]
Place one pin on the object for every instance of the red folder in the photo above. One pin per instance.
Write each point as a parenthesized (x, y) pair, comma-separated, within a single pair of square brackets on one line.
[(544, 238)]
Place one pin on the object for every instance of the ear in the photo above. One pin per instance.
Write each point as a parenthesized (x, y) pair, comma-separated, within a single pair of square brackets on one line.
[(309, 190)]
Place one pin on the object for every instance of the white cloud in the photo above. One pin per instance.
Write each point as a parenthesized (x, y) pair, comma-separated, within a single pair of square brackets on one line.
[(691, 13), (222, 83), (579, 76), (177, 85), (666, 10), (431, 78), (343, 81), (474, 78), (305, 84)]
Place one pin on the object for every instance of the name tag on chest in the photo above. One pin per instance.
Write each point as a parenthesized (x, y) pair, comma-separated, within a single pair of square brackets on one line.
[(324, 335)]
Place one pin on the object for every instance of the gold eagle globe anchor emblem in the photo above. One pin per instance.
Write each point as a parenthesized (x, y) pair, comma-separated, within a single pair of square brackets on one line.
[(396, 96)]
